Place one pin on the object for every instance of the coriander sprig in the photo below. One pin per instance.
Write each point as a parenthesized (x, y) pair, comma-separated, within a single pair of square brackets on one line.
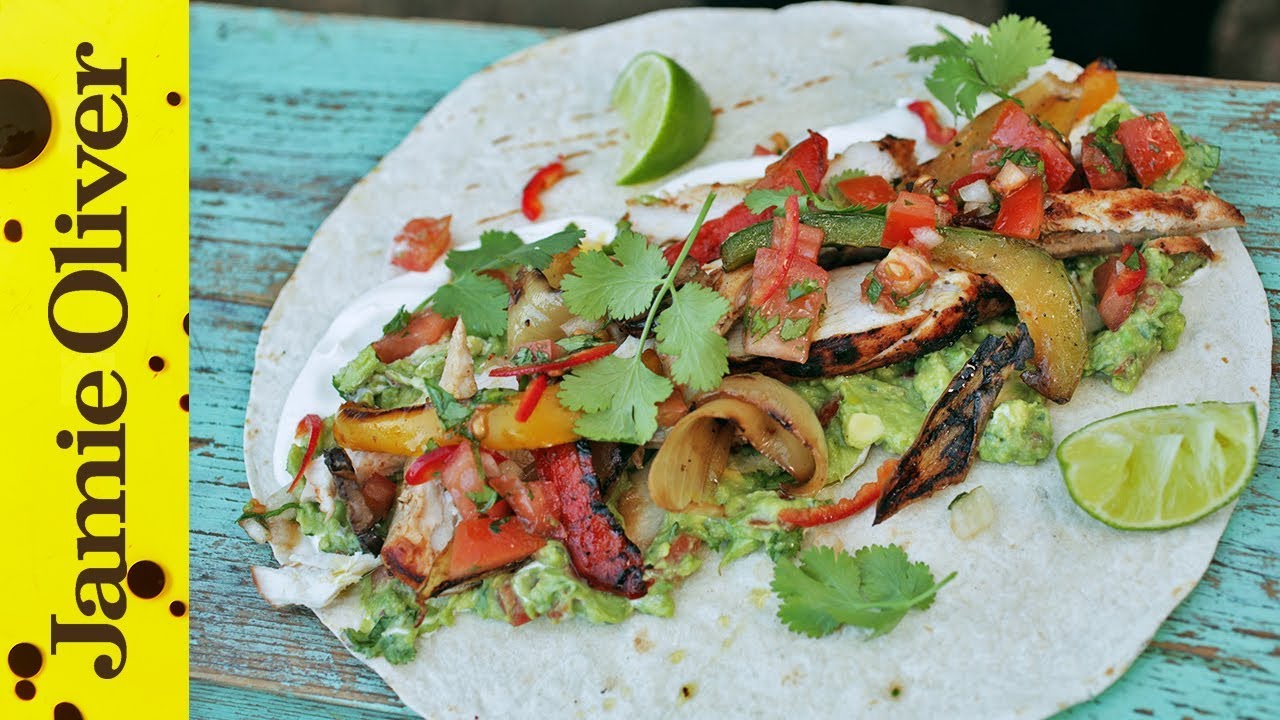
[(992, 63), (618, 396)]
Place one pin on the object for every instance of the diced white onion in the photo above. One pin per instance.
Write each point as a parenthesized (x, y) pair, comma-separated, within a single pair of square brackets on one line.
[(1010, 178), (977, 191), (925, 237), (971, 513)]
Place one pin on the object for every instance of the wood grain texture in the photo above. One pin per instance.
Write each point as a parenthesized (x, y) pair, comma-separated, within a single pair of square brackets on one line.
[(289, 110)]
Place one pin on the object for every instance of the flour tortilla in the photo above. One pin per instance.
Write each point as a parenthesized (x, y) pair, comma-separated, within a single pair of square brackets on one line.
[(1049, 606)]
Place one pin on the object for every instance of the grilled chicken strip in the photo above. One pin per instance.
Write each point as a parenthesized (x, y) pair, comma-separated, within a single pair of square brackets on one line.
[(368, 497), (855, 336), (1093, 222), (420, 531), (948, 441)]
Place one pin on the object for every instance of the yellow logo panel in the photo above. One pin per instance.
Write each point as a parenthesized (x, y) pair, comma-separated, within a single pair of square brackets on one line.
[(93, 292)]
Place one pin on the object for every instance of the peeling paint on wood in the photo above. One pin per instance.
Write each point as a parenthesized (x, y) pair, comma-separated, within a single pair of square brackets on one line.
[(273, 152)]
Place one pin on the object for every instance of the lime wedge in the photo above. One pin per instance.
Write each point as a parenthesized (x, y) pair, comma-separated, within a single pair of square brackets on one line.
[(666, 114), (1161, 467)]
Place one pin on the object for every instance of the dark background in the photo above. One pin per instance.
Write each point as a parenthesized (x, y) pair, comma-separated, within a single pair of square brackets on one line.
[(1237, 39)]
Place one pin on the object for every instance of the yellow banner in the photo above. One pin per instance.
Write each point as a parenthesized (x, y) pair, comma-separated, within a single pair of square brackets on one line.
[(93, 292)]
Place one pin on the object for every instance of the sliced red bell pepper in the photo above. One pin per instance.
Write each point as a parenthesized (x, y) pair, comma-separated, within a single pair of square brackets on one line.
[(482, 544), (421, 243), (532, 394), (1022, 211), (601, 552), (808, 157), (1015, 130), (933, 127), (1150, 146), (556, 367), (543, 180), (312, 425), (425, 327), (839, 510), (908, 212), (868, 191), (1099, 171)]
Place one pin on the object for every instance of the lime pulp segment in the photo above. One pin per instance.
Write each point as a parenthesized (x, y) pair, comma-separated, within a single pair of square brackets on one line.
[(1161, 467), (666, 114)]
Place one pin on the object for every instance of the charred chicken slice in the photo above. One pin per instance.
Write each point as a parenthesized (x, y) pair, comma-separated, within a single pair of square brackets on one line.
[(855, 336), (1095, 222)]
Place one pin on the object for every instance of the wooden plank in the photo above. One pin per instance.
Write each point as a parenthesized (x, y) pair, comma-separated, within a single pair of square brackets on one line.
[(289, 110)]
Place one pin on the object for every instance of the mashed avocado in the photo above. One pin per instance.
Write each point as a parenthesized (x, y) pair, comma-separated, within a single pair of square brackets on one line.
[(899, 397), (400, 383), (1155, 325)]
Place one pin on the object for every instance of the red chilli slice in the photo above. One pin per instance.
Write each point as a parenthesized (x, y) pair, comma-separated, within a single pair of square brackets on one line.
[(556, 366), (425, 466), (543, 180), (532, 394), (313, 425)]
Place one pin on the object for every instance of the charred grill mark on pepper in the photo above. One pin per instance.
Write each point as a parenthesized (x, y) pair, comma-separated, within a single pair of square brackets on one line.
[(947, 444)]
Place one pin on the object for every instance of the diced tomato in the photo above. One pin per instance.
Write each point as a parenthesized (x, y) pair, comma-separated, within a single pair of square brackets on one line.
[(533, 502), (868, 191), (785, 238), (421, 243), (808, 157), (1150, 146), (1117, 286), (1015, 129), (425, 327), (557, 367), (461, 477), (864, 498), (933, 128), (483, 544), (1100, 173), (543, 180), (776, 325), (903, 272), (1098, 84), (908, 212), (1022, 212), (426, 466), (312, 426)]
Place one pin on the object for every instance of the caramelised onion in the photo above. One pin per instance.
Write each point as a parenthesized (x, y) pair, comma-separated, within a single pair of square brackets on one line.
[(771, 416)]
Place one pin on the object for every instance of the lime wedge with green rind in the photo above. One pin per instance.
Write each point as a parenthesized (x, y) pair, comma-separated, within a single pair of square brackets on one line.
[(666, 114), (1161, 467)]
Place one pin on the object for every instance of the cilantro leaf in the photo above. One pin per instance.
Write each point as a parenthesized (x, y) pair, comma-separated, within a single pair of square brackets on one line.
[(1013, 46), (872, 589), (687, 332), (993, 63), (757, 201), (398, 322), (484, 498), (480, 300), (620, 287), (538, 254), (454, 415), (493, 245), (618, 397)]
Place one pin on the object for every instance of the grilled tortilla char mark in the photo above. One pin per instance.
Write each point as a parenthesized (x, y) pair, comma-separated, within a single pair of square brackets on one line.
[(1093, 222), (600, 550), (844, 344), (943, 452)]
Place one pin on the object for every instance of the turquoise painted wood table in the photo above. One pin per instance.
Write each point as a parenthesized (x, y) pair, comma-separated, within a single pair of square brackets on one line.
[(288, 110)]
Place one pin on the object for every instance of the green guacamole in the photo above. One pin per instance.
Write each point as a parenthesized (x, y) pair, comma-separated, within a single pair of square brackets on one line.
[(888, 406)]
